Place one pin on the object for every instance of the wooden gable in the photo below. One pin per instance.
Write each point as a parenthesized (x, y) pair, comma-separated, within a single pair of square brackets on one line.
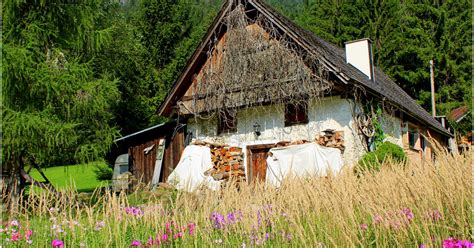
[(215, 61)]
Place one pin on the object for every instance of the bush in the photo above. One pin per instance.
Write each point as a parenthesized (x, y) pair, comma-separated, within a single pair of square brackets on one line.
[(372, 161), (103, 172)]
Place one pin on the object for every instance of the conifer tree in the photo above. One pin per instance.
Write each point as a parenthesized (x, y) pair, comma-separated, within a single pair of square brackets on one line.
[(55, 109)]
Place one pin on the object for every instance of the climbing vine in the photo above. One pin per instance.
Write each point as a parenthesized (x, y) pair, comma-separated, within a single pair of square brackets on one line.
[(251, 65), (379, 135)]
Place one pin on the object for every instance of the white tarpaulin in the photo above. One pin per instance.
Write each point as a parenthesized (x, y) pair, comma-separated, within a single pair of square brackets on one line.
[(189, 173), (300, 161)]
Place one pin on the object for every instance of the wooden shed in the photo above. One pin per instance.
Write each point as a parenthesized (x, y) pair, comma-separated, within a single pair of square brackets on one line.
[(143, 148)]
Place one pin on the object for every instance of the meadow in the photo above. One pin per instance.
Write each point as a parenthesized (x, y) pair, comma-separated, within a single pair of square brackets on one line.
[(80, 177), (415, 205)]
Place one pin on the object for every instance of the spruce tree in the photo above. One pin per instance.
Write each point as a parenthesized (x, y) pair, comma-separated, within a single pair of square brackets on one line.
[(55, 109)]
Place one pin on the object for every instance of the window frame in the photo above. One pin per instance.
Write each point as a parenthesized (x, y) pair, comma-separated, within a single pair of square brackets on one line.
[(223, 128), (413, 130), (291, 119)]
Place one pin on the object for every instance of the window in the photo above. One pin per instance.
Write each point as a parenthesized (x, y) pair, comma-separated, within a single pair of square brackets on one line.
[(422, 143), (296, 114), (412, 136), (227, 123)]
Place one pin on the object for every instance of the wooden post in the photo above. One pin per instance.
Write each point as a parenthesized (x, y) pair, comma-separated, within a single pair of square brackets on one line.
[(433, 106)]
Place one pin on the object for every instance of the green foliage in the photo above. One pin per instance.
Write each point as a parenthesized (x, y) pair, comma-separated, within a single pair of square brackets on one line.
[(379, 135), (103, 172), (55, 109), (406, 36), (372, 161)]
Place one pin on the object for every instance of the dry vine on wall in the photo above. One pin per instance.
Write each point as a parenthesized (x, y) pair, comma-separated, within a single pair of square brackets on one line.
[(256, 65)]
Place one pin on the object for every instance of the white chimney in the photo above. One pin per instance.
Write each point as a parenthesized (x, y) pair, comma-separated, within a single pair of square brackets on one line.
[(359, 55)]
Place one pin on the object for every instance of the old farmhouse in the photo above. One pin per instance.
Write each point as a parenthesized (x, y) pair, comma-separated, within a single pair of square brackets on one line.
[(258, 81)]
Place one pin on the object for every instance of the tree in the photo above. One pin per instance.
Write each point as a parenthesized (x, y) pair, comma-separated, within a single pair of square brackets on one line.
[(170, 32), (55, 109), (406, 36)]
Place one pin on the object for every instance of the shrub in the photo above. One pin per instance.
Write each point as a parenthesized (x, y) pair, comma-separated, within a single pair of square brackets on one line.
[(372, 161), (103, 172)]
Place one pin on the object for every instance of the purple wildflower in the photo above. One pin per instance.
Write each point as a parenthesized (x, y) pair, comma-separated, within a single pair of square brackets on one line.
[(408, 214), (267, 236), (452, 243), (259, 218), (57, 243), (218, 220), (134, 211), (231, 218), (135, 243)]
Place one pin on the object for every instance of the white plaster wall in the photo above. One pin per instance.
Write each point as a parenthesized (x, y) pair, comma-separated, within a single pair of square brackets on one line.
[(392, 127), (326, 113)]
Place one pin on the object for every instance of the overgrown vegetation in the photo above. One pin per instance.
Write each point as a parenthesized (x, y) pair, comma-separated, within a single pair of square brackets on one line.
[(70, 89), (372, 161), (103, 172), (398, 206)]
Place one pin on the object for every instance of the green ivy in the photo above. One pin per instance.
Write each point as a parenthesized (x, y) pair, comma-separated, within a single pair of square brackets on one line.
[(379, 135), (372, 161)]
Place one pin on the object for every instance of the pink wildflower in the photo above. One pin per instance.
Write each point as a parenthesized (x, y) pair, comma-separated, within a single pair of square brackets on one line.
[(363, 226), (452, 242), (28, 234), (178, 235), (218, 241), (14, 223), (434, 215), (377, 219), (99, 225), (57, 243), (408, 214), (135, 243), (15, 237), (29, 241), (191, 227), (164, 237)]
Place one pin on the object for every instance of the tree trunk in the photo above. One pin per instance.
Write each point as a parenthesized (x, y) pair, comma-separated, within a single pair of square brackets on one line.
[(10, 187)]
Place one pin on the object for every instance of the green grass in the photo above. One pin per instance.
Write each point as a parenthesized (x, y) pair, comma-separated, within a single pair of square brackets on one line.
[(80, 176)]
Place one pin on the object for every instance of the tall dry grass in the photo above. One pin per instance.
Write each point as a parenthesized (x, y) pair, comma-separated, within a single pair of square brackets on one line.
[(403, 206)]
